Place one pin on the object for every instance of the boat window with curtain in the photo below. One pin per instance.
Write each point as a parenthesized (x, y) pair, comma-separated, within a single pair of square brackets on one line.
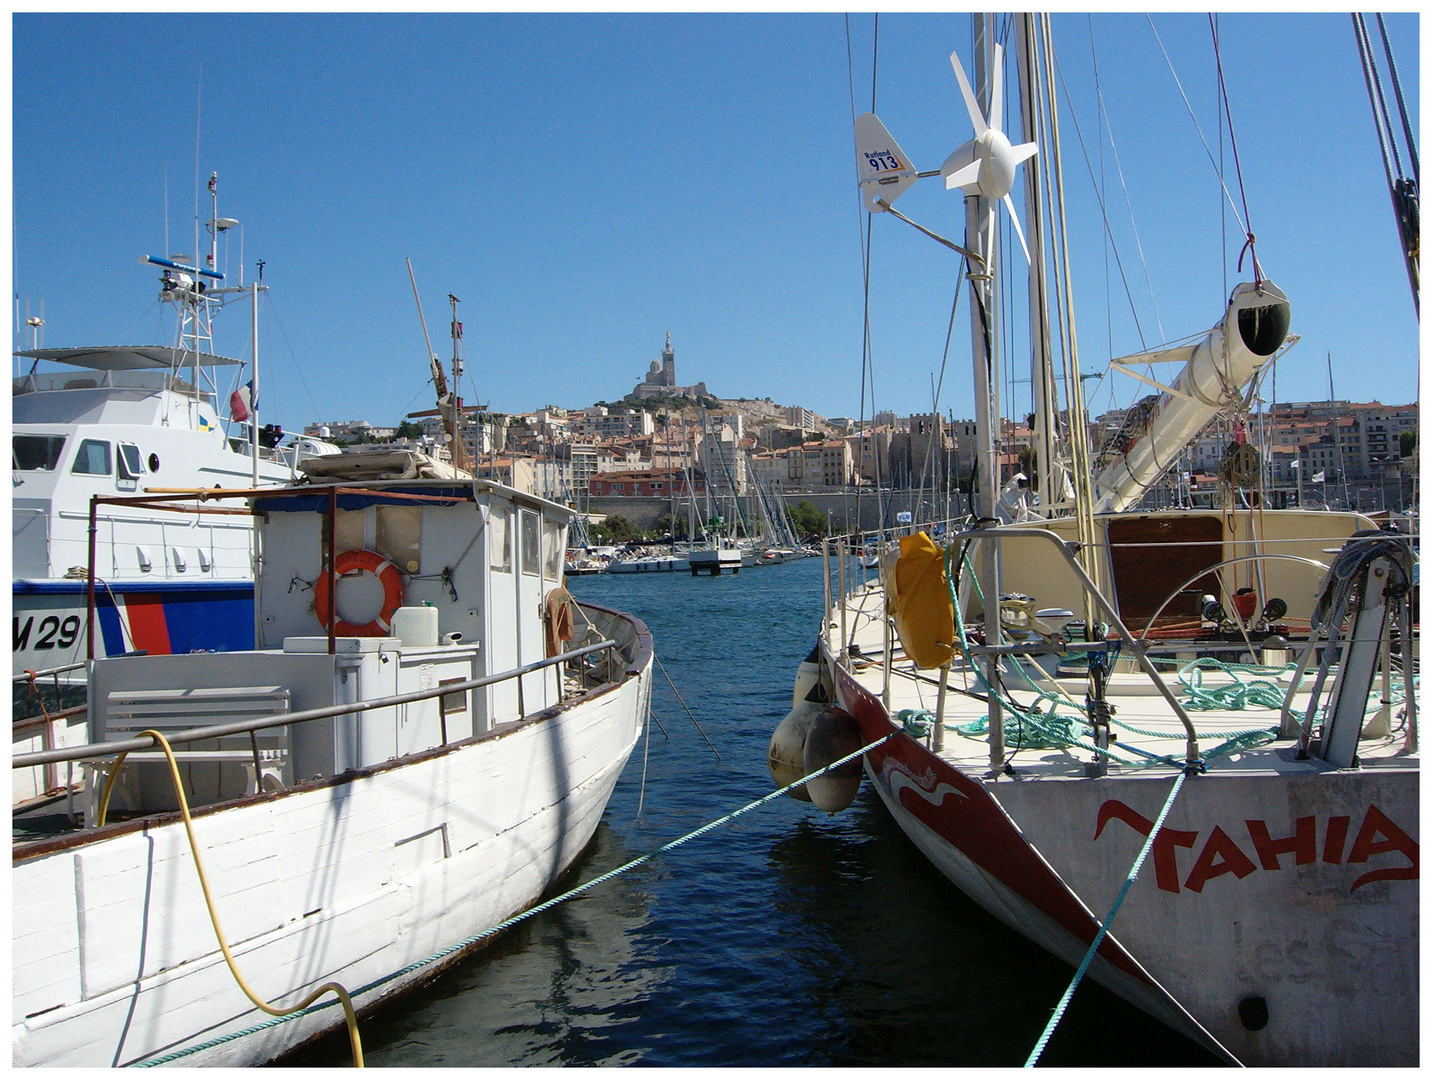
[(92, 458), (531, 552), (500, 540)]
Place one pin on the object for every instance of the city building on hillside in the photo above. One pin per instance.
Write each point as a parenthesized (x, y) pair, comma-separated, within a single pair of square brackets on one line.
[(722, 460), (611, 423), (828, 465), (660, 380), (799, 418), (870, 452), (781, 436), (651, 483), (516, 472), (348, 429)]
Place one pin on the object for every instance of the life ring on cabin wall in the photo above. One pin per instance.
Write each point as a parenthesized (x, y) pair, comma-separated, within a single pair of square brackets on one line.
[(355, 561)]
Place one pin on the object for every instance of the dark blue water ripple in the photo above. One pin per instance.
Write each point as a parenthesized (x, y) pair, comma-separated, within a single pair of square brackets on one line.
[(789, 937)]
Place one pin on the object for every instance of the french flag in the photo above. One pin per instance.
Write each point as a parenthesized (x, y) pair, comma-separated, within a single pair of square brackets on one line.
[(243, 401)]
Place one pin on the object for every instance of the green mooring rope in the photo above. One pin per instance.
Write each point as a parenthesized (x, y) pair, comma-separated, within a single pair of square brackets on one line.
[(1104, 925), (519, 917)]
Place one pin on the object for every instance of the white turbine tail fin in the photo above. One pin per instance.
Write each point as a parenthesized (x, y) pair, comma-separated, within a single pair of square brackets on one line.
[(976, 117), (1014, 220), (962, 168), (884, 170)]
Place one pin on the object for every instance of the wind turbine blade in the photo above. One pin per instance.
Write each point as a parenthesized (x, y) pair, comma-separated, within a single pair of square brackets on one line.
[(996, 99), (1014, 220), (967, 174), (1022, 152), (976, 117)]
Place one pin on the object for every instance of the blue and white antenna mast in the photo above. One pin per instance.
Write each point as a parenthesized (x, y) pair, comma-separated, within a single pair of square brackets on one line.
[(197, 290)]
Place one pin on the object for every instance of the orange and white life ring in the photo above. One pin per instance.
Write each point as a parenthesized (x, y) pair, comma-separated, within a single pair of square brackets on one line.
[(354, 561)]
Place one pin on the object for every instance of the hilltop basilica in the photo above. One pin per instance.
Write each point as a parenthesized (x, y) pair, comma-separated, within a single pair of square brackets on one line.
[(660, 379)]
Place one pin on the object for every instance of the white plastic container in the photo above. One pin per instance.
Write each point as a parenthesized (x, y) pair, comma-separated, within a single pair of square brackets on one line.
[(417, 626)]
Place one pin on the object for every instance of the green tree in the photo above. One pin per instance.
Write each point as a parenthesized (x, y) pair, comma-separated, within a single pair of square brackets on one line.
[(808, 521), (409, 430), (615, 530), (1407, 443), (665, 524)]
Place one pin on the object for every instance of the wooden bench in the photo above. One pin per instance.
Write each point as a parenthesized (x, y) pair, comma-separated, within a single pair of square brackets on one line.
[(263, 754)]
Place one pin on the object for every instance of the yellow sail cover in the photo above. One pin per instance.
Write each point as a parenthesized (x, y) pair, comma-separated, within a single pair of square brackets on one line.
[(924, 616)]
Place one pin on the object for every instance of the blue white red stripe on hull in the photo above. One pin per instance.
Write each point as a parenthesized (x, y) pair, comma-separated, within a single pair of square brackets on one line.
[(159, 618)]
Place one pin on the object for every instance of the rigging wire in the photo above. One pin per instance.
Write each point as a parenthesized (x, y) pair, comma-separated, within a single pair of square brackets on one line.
[(1226, 193), (1249, 245), (1119, 169), (1104, 125), (1401, 101), (1401, 188), (1104, 214), (866, 360)]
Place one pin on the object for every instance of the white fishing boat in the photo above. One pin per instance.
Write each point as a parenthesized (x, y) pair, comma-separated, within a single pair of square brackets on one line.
[(113, 420), (1043, 697), (422, 743)]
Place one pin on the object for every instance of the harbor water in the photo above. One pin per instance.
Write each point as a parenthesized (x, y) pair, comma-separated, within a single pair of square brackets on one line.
[(787, 937)]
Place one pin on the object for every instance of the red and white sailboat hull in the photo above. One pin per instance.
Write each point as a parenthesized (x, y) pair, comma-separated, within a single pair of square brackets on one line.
[(1293, 897)]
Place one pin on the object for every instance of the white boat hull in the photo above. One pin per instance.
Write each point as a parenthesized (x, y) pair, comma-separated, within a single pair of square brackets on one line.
[(664, 564), (1300, 893), (348, 879)]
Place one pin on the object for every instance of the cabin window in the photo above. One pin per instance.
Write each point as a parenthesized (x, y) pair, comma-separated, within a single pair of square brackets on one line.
[(349, 533), (36, 453), (531, 553), (552, 550), (92, 458), (130, 467), (500, 540), (399, 536)]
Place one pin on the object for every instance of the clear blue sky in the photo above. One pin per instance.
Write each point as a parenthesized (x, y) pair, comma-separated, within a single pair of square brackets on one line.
[(587, 183)]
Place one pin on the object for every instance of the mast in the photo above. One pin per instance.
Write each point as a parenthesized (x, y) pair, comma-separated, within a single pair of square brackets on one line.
[(984, 339), (1047, 486), (459, 453), (449, 405), (254, 389)]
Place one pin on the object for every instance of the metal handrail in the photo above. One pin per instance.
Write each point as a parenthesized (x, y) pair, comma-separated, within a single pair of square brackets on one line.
[(1135, 647), (25, 677), (240, 727)]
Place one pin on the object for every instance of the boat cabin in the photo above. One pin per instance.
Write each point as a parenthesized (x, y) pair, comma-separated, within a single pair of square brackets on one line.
[(434, 582)]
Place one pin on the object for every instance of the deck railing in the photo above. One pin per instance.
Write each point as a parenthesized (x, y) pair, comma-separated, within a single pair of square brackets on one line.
[(241, 727)]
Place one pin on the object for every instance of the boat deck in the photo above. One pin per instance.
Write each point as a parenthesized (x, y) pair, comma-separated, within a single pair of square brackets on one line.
[(1145, 726)]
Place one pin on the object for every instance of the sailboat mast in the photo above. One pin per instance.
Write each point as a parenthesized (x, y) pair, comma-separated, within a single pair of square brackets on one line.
[(984, 345), (984, 337), (1048, 472)]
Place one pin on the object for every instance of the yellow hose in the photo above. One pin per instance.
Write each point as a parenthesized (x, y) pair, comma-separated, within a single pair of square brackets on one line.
[(272, 1010)]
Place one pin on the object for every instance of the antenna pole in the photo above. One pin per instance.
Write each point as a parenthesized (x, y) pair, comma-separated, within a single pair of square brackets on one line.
[(459, 453), (439, 380), (254, 394)]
